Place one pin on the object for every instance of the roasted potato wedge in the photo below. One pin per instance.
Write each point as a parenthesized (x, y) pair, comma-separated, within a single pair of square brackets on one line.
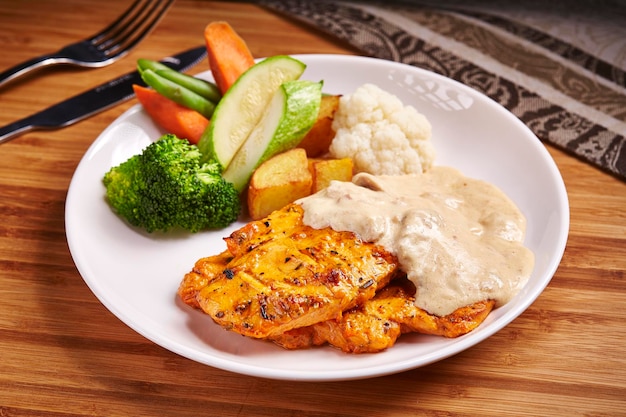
[(326, 170), (317, 141), (279, 181)]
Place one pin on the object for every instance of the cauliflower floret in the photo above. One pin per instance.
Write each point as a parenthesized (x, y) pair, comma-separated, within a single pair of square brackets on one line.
[(380, 134)]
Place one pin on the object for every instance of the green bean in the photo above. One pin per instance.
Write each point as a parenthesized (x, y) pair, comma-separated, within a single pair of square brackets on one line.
[(145, 64), (199, 86), (178, 93), (205, 88)]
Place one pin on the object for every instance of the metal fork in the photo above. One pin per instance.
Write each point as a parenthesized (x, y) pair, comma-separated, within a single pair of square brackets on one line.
[(103, 48)]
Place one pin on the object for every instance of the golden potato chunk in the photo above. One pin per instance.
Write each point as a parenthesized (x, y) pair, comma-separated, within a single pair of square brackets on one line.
[(279, 181), (326, 170), (318, 139)]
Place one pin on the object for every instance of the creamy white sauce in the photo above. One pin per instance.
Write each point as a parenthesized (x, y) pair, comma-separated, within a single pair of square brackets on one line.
[(460, 240)]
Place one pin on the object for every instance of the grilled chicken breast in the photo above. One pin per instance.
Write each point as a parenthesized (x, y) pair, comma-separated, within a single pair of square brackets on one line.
[(279, 274), (301, 287), (376, 324)]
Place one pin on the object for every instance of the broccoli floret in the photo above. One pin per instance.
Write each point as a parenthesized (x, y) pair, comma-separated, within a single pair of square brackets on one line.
[(166, 187)]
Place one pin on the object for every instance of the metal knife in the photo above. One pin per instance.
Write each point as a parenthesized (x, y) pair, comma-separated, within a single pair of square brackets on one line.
[(95, 100)]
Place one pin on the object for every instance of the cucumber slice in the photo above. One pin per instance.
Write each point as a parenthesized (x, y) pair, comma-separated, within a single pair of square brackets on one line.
[(242, 106), (290, 115)]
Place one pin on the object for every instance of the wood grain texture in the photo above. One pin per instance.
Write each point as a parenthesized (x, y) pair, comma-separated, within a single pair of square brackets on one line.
[(64, 354)]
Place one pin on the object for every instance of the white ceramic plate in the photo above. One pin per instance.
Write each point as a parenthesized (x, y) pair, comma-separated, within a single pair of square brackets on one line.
[(136, 275)]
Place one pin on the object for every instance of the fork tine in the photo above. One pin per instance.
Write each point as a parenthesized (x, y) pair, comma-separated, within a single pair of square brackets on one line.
[(121, 21), (142, 23)]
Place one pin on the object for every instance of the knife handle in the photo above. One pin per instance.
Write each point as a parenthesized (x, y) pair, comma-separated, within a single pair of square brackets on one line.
[(17, 128)]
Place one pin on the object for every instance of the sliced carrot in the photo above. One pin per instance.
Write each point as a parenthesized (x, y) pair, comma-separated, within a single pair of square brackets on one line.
[(228, 54), (174, 118)]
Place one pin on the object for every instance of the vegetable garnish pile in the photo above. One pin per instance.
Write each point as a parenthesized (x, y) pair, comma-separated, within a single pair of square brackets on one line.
[(259, 133), (218, 134)]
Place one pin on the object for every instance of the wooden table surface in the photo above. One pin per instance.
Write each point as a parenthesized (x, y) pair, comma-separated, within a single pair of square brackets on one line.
[(62, 353)]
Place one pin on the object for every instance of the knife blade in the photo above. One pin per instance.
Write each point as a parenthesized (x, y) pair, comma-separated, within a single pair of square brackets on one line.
[(94, 101)]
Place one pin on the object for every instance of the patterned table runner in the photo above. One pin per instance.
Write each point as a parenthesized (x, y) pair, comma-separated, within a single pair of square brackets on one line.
[(559, 66)]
